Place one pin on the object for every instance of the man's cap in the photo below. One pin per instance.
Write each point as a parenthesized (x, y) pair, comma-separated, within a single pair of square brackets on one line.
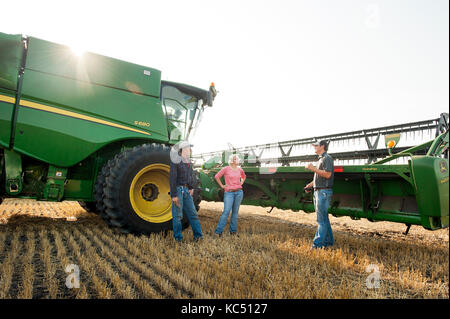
[(321, 143), (184, 144)]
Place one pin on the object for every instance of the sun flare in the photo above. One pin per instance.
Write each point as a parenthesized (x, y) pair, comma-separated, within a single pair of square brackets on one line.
[(78, 50)]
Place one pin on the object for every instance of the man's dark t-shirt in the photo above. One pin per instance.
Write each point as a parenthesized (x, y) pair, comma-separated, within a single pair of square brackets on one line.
[(181, 174), (325, 164)]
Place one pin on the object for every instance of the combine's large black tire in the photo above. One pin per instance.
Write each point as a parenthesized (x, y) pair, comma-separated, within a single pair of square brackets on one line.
[(136, 194), (99, 187), (98, 207)]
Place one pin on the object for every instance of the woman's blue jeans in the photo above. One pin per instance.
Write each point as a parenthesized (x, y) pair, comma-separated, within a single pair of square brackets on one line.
[(187, 206), (324, 234), (231, 202)]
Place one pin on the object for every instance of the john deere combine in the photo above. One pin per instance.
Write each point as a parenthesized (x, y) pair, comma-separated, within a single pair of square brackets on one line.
[(98, 130), (93, 129), (406, 184)]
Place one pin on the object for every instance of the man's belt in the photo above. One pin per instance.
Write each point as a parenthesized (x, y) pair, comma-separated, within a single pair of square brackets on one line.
[(316, 188), (235, 190)]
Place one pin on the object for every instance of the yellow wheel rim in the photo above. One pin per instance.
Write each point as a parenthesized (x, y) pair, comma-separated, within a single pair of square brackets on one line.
[(149, 193)]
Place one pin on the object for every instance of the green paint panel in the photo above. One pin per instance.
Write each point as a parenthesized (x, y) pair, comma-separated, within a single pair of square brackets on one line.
[(48, 57), (108, 104), (432, 178), (62, 140), (6, 110), (54, 188), (100, 87), (77, 189), (11, 48), (13, 172), (111, 105)]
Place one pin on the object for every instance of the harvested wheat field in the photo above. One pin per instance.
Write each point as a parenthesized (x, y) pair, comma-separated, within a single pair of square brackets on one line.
[(271, 257)]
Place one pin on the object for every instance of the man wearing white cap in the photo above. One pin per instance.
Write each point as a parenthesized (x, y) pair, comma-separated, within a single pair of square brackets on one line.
[(181, 190), (323, 191)]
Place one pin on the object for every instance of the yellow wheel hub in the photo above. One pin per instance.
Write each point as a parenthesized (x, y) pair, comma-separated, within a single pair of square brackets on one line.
[(149, 193)]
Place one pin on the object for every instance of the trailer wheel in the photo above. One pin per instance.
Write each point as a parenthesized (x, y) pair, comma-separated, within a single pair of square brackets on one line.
[(137, 192)]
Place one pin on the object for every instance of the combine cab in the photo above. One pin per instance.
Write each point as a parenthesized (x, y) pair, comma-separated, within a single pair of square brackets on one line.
[(93, 129), (407, 184)]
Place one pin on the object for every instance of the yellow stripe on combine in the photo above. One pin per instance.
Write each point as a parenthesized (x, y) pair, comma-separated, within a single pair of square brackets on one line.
[(47, 108), (8, 99)]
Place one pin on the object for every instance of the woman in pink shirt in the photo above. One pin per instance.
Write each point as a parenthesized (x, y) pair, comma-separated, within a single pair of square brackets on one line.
[(234, 178)]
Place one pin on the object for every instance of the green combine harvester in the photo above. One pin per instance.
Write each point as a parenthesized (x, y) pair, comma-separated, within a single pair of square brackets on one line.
[(406, 184), (92, 129), (98, 130)]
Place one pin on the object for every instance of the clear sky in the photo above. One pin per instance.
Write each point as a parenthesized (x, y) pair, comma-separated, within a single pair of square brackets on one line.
[(283, 69)]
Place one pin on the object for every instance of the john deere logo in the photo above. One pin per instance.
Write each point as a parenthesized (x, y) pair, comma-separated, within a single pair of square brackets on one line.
[(443, 167)]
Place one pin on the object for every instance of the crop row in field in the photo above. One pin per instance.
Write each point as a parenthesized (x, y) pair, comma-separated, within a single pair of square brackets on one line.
[(271, 258)]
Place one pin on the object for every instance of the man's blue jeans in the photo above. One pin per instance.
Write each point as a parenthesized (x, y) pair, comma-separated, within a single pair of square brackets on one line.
[(231, 202), (187, 206), (324, 234)]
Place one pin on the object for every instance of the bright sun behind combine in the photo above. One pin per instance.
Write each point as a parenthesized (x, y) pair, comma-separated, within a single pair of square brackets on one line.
[(77, 49)]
